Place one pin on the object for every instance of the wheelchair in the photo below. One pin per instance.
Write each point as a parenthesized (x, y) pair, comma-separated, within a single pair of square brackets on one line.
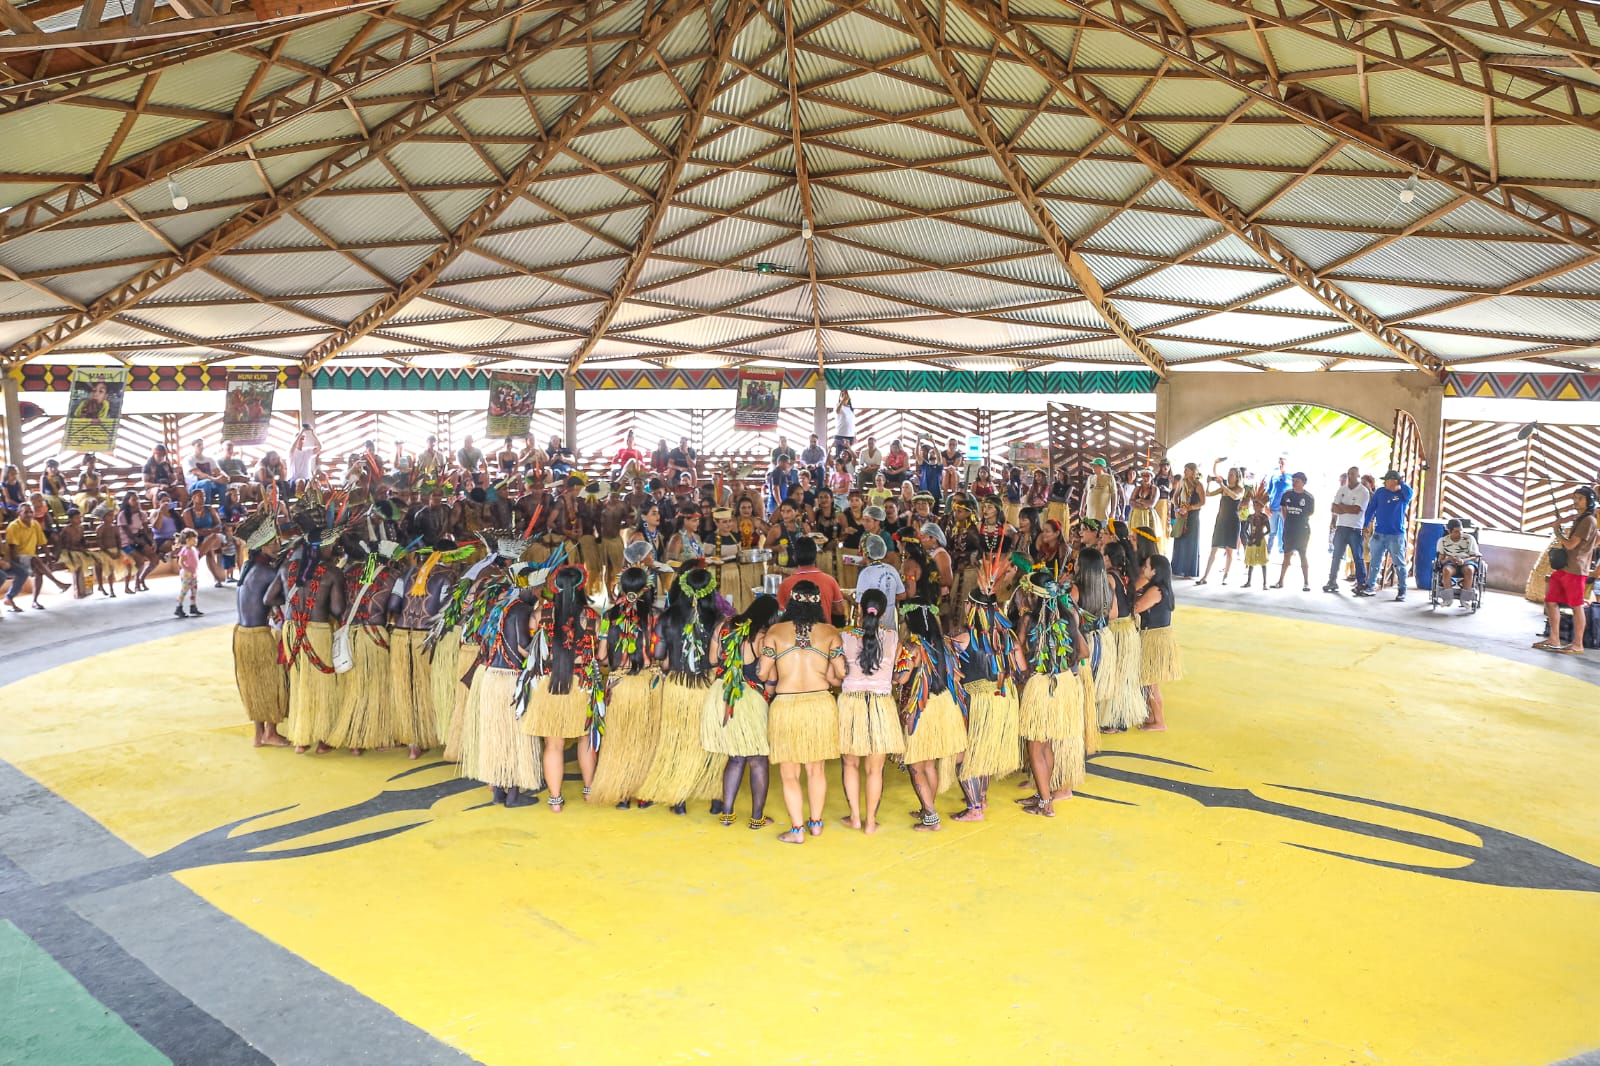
[(1439, 596)]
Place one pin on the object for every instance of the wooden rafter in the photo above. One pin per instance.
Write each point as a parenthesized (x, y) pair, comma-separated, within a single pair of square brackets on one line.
[(225, 136), (961, 89), (1384, 138), (137, 29), (802, 175), (1568, 27), (655, 29), (560, 32)]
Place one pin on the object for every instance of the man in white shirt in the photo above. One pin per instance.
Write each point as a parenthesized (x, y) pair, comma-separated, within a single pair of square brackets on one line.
[(844, 435), (304, 455), (1349, 504), (869, 459), (1458, 556), (200, 474), (878, 574)]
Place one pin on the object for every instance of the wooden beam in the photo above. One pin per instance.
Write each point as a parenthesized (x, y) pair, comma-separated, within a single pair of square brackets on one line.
[(722, 40), (961, 89), (656, 28), (141, 27), (802, 177)]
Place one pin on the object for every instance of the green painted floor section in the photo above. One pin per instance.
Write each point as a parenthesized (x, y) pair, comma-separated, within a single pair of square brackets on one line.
[(48, 1019)]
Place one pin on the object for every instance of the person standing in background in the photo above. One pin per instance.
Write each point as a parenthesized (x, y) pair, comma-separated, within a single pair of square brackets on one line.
[(1387, 513), (1277, 485), (1568, 585), (844, 433), (1296, 506), (1349, 506), (304, 455)]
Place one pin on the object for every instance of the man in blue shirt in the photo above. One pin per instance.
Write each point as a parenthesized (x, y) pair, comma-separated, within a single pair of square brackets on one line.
[(1277, 485), (781, 480), (1387, 513)]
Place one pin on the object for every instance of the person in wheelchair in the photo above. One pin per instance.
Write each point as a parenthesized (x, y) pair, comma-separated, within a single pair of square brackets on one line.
[(1458, 558)]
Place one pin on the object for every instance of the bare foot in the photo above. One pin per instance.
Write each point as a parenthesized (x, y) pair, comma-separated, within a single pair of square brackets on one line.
[(416, 752), (924, 827), (275, 740), (797, 835), (1061, 794), (322, 748), (1149, 727), (299, 749), (358, 751), (870, 828), (971, 814), (814, 827), (851, 822)]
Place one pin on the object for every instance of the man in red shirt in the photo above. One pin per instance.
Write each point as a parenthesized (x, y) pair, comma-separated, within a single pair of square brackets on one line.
[(803, 556)]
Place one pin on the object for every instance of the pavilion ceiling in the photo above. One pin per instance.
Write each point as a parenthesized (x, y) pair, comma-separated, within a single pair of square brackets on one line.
[(975, 184)]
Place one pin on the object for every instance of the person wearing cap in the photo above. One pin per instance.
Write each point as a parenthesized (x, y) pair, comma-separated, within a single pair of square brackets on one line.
[(1277, 485), (1386, 513), (1099, 491), (1458, 557), (1568, 583), (1296, 506), (879, 574)]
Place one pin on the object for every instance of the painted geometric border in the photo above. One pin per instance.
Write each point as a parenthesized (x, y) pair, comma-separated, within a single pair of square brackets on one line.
[(1524, 386)]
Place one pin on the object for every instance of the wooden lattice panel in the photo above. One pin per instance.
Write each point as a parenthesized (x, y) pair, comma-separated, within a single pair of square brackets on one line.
[(1493, 501), (1504, 483), (41, 441)]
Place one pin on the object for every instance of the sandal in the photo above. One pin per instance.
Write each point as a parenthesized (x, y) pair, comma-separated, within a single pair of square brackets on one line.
[(1547, 645), (727, 820), (814, 827), (1028, 801), (795, 834), (760, 823), (1279, 585), (1200, 581), (556, 803)]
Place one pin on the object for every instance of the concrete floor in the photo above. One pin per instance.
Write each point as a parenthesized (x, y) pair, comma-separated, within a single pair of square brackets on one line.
[(112, 866)]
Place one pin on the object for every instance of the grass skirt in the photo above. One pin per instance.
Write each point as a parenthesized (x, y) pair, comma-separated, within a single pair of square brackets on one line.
[(557, 716), (313, 695), (1100, 644), (506, 757), (681, 769), (466, 723), (444, 679), (803, 727), (941, 732), (363, 692), (1255, 554), (869, 724), (1051, 709), (1161, 657), (263, 683), (735, 580), (1142, 516), (744, 734), (466, 655), (633, 722), (594, 561), (993, 748), (1125, 709), (409, 713)]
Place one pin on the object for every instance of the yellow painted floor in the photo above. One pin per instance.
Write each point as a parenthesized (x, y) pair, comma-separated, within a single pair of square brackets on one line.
[(1153, 929)]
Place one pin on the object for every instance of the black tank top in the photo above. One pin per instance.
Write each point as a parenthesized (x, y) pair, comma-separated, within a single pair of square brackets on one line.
[(1159, 615), (975, 667)]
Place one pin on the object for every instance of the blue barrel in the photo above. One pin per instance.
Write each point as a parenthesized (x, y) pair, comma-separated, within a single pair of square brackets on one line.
[(1429, 530)]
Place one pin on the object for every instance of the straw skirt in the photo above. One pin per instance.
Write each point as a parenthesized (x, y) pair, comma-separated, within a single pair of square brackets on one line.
[(507, 758), (869, 724), (1125, 708), (263, 682), (803, 727), (994, 746), (1142, 517), (363, 692), (466, 656), (1051, 708), (444, 679), (313, 695), (940, 732), (466, 723), (681, 769), (744, 734), (633, 721), (565, 716), (1104, 669), (734, 582), (1161, 657), (409, 711)]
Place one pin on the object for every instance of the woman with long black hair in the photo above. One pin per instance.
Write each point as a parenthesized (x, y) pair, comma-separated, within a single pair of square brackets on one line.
[(1119, 703), (681, 769), (1097, 606), (869, 721), (990, 663), (802, 659), (932, 705), (1162, 661), (627, 718), (1051, 712), (734, 720), (558, 684)]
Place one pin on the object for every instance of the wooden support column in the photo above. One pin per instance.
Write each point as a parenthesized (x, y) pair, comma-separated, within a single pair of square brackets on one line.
[(1430, 422), (308, 411), (569, 392), (820, 413), (13, 418)]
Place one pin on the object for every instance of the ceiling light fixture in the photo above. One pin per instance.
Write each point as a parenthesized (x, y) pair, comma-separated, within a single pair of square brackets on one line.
[(805, 230), (1408, 191), (180, 202)]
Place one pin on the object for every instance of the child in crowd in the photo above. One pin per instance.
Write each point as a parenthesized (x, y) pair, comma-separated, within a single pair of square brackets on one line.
[(188, 573), (1254, 535)]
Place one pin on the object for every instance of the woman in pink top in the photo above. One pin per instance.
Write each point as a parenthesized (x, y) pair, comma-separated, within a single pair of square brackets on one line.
[(869, 720)]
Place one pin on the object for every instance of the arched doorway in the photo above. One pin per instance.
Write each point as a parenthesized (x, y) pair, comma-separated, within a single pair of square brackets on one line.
[(1319, 441)]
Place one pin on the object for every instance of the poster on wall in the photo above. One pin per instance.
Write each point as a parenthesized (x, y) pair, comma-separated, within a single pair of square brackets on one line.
[(511, 404), (756, 407), (94, 404), (248, 410)]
